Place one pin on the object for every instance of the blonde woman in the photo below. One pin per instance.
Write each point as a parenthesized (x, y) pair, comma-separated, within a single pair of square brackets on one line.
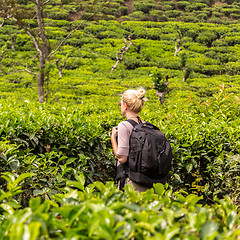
[(131, 104)]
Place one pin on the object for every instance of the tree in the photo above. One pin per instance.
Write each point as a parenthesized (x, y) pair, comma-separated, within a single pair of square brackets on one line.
[(160, 85), (6, 10), (178, 42), (120, 54), (25, 18)]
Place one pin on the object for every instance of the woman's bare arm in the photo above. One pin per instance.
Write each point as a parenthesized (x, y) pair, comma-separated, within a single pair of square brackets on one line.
[(121, 159)]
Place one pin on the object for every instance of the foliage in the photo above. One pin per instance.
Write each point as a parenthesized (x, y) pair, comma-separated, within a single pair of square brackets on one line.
[(158, 80), (51, 144), (45, 148), (203, 156), (81, 132), (101, 211), (138, 10)]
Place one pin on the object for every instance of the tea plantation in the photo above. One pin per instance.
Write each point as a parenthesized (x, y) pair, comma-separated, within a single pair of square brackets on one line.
[(56, 162)]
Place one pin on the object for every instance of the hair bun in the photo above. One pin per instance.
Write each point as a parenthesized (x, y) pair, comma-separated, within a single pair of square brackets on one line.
[(141, 93)]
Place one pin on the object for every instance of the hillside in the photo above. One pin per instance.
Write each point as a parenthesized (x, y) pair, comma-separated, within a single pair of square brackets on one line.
[(210, 11), (211, 54)]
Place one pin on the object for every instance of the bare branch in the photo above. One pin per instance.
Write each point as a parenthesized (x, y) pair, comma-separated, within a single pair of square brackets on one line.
[(60, 68), (123, 50), (3, 22), (65, 39), (5, 18), (35, 42), (65, 61), (29, 71), (46, 2), (177, 47), (23, 70)]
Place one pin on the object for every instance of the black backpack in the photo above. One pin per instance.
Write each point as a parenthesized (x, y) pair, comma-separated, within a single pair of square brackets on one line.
[(150, 154)]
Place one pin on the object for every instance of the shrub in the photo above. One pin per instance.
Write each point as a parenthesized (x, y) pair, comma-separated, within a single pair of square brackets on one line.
[(137, 15), (216, 20), (207, 38), (122, 11), (163, 18), (24, 43), (57, 13), (233, 68), (143, 6), (232, 40), (228, 11), (182, 5), (128, 213), (59, 23), (172, 13), (170, 62), (195, 7), (189, 18), (156, 14), (235, 15), (202, 16), (167, 6), (133, 62), (158, 80)]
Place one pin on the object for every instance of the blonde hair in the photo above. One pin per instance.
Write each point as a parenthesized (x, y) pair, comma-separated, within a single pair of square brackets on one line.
[(134, 99)]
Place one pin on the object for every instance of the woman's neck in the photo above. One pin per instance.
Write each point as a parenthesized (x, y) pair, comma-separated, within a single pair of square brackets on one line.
[(131, 115)]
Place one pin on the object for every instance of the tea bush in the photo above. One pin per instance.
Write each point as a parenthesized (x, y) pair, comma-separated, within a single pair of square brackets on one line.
[(138, 10), (35, 128), (102, 211), (78, 138)]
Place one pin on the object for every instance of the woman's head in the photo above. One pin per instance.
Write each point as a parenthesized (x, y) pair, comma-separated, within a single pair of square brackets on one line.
[(134, 99)]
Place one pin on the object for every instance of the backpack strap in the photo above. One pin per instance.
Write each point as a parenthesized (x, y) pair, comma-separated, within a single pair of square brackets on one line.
[(134, 123), (139, 119), (121, 175), (123, 169)]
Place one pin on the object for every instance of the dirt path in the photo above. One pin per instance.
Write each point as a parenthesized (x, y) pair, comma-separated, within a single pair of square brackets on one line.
[(75, 16), (129, 5)]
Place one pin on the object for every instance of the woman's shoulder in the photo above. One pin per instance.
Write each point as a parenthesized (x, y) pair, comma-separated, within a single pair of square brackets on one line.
[(125, 124)]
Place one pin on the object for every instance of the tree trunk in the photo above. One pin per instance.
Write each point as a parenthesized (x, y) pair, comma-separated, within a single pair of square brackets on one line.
[(184, 75), (41, 80), (60, 69), (60, 73), (43, 52), (13, 41), (161, 96)]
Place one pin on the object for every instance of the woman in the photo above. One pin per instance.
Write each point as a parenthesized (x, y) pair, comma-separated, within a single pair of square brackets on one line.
[(131, 105)]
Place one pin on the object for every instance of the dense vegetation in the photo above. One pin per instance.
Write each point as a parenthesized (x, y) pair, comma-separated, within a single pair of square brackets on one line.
[(56, 161), (212, 11)]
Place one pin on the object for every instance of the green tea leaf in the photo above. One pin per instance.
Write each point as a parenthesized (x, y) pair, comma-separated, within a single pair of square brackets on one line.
[(209, 230), (159, 188)]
